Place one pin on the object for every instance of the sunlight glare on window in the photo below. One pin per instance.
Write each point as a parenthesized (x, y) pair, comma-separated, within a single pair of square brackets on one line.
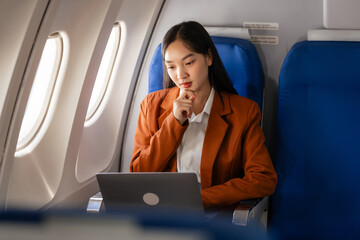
[(104, 73), (41, 90)]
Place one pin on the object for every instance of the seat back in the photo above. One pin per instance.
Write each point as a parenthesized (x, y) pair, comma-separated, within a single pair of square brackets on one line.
[(240, 60), (318, 130)]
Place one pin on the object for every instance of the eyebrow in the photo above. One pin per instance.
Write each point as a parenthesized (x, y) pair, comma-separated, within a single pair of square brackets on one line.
[(187, 56)]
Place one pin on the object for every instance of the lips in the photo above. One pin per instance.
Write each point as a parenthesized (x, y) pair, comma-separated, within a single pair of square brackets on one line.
[(186, 84)]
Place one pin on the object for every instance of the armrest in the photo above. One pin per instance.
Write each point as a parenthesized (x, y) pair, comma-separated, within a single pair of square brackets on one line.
[(248, 212), (95, 204), (252, 212)]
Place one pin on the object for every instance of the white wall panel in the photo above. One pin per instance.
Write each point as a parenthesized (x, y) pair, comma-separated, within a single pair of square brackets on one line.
[(342, 14)]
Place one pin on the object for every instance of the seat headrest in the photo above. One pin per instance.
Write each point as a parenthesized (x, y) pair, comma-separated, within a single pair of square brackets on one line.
[(240, 60), (321, 64)]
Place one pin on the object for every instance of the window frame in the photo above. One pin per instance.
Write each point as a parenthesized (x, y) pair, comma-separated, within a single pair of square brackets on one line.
[(29, 137), (93, 109)]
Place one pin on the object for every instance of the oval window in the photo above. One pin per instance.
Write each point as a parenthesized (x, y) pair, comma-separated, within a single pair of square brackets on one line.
[(42, 89), (105, 69)]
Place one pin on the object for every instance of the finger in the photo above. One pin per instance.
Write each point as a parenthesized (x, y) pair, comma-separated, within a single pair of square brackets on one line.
[(186, 112), (181, 107), (180, 104), (182, 112), (187, 94), (183, 102), (190, 95)]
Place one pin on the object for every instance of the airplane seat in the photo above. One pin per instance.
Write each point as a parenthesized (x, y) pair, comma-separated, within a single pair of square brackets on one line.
[(317, 154), (244, 68)]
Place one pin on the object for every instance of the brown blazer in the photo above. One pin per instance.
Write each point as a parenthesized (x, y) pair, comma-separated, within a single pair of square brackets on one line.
[(235, 164)]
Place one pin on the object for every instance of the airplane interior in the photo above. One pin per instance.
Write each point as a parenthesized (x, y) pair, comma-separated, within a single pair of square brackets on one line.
[(73, 74)]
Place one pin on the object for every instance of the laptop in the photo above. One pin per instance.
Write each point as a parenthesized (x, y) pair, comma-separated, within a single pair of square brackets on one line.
[(151, 190)]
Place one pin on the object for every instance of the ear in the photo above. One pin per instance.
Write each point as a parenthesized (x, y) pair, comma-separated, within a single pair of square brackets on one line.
[(209, 58)]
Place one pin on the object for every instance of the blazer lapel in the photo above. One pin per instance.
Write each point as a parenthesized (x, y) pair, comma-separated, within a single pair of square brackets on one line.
[(166, 105), (215, 133)]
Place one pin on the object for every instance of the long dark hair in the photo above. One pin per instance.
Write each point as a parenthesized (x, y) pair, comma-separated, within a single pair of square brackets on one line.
[(197, 39)]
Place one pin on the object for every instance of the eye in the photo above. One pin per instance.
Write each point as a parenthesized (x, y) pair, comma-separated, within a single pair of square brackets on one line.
[(170, 67), (189, 63)]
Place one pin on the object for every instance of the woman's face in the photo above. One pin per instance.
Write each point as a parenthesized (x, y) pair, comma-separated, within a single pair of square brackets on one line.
[(187, 69)]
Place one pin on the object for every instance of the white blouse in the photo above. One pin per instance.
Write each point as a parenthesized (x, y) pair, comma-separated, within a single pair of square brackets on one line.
[(190, 150)]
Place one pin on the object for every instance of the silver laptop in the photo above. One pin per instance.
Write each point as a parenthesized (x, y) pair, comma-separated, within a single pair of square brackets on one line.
[(157, 190)]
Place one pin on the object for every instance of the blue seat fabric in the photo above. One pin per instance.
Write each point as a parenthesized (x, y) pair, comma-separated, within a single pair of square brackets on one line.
[(318, 143), (240, 60)]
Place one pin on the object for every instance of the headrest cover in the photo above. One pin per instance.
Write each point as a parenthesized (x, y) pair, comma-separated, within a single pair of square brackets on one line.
[(233, 32), (334, 35)]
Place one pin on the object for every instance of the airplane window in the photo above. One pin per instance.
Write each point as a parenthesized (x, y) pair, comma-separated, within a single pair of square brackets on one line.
[(41, 90), (104, 73)]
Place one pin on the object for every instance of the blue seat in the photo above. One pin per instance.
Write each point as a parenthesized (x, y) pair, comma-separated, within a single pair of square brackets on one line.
[(240, 60), (318, 142)]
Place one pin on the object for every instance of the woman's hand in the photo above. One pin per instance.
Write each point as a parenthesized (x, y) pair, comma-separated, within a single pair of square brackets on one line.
[(183, 106)]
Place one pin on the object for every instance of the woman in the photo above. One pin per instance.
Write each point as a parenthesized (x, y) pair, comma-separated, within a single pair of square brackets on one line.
[(198, 123)]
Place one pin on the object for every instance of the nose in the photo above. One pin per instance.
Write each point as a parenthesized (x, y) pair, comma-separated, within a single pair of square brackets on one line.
[(181, 73)]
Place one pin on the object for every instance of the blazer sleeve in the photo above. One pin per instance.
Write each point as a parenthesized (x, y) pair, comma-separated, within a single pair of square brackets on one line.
[(154, 147), (259, 174)]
